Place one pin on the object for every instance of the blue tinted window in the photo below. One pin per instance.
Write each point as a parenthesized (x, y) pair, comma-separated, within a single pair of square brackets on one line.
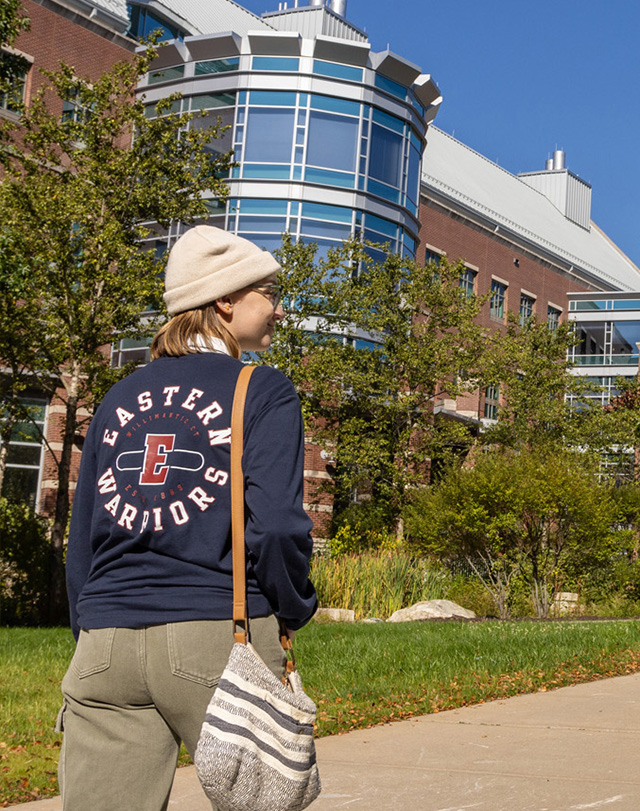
[(416, 143), (335, 213), (332, 178), (337, 71), (385, 227), (166, 74), (273, 98), (266, 170), (413, 175), (383, 191), (150, 110), (624, 336), (210, 100), (390, 121), (409, 243), (368, 345), (332, 141), (269, 135), (325, 229), (412, 207), (257, 223), (323, 245), (268, 242), (391, 87), (144, 22), (217, 66), (264, 206), (275, 63), (333, 105), (418, 106), (385, 157), (590, 305), (623, 304), (378, 239)]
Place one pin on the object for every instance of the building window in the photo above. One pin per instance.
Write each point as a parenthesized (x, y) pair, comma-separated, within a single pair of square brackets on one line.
[(527, 304), (385, 158), (553, 318), (12, 100), (431, 257), (130, 350), (337, 71), (166, 74), (498, 300), (24, 458), (468, 282), (332, 141), (491, 402), (389, 86), (269, 135), (74, 110), (217, 66), (277, 63), (143, 22)]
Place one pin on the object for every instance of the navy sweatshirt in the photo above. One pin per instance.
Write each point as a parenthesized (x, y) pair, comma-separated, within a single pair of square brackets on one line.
[(150, 535)]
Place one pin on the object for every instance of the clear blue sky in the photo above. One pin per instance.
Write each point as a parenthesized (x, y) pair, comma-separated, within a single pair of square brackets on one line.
[(520, 79)]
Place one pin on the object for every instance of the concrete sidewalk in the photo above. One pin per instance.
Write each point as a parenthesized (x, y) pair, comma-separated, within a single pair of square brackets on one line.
[(567, 750)]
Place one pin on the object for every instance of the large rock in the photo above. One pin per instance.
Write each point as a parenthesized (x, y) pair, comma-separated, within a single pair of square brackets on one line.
[(335, 615), (431, 609)]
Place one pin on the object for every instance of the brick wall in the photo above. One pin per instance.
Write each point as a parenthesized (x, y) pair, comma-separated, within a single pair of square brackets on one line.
[(492, 255)]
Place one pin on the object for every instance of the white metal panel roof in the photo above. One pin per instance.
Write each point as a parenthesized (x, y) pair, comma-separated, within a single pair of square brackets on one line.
[(116, 7), (458, 172), (212, 16)]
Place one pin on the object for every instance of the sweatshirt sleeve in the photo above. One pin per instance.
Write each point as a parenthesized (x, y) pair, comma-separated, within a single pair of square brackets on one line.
[(278, 530), (79, 549)]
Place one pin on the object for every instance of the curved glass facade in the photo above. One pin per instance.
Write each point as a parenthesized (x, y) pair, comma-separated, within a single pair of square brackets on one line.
[(324, 149)]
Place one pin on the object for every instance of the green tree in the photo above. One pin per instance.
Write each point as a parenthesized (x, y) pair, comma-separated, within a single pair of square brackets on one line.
[(528, 514), (12, 22), (538, 390), (370, 345), (77, 199)]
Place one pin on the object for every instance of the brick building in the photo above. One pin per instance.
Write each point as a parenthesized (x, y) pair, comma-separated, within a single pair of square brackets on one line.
[(328, 136), (526, 240)]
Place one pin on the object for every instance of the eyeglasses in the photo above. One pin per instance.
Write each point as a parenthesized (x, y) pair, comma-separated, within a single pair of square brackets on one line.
[(271, 291)]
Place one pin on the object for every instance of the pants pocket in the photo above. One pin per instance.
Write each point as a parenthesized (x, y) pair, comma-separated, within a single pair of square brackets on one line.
[(93, 652), (199, 650)]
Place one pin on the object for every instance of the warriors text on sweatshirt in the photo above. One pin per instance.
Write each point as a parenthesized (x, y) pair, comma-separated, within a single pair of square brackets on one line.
[(150, 536)]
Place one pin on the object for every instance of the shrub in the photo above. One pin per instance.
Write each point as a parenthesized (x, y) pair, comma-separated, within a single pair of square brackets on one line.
[(24, 564), (376, 583)]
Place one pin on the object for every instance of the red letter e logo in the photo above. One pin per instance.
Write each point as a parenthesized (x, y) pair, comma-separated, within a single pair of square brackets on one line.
[(154, 467)]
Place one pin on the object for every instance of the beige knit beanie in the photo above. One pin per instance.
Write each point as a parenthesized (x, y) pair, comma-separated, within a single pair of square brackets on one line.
[(207, 263)]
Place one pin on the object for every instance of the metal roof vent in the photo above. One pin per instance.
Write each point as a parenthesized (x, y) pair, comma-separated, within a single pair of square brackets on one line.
[(339, 7), (568, 193)]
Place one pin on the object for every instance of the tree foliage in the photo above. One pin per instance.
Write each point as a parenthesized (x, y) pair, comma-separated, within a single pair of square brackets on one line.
[(12, 22), (370, 345), (538, 390), (529, 514), (76, 202)]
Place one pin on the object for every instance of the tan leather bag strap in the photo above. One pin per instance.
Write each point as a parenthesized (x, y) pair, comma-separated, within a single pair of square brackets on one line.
[(237, 506), (237, 520)]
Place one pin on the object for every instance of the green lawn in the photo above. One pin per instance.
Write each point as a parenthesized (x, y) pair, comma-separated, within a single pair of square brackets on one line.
[(359, 675)]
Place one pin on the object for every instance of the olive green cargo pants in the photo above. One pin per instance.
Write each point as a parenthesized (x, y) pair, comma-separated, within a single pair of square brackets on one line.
[(131, 696)]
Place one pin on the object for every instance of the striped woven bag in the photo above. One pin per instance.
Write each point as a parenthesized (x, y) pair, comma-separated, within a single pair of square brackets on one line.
[(256, 750)]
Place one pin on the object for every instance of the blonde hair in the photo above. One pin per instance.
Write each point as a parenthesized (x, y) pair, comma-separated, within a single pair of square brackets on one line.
[(181, 334)]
